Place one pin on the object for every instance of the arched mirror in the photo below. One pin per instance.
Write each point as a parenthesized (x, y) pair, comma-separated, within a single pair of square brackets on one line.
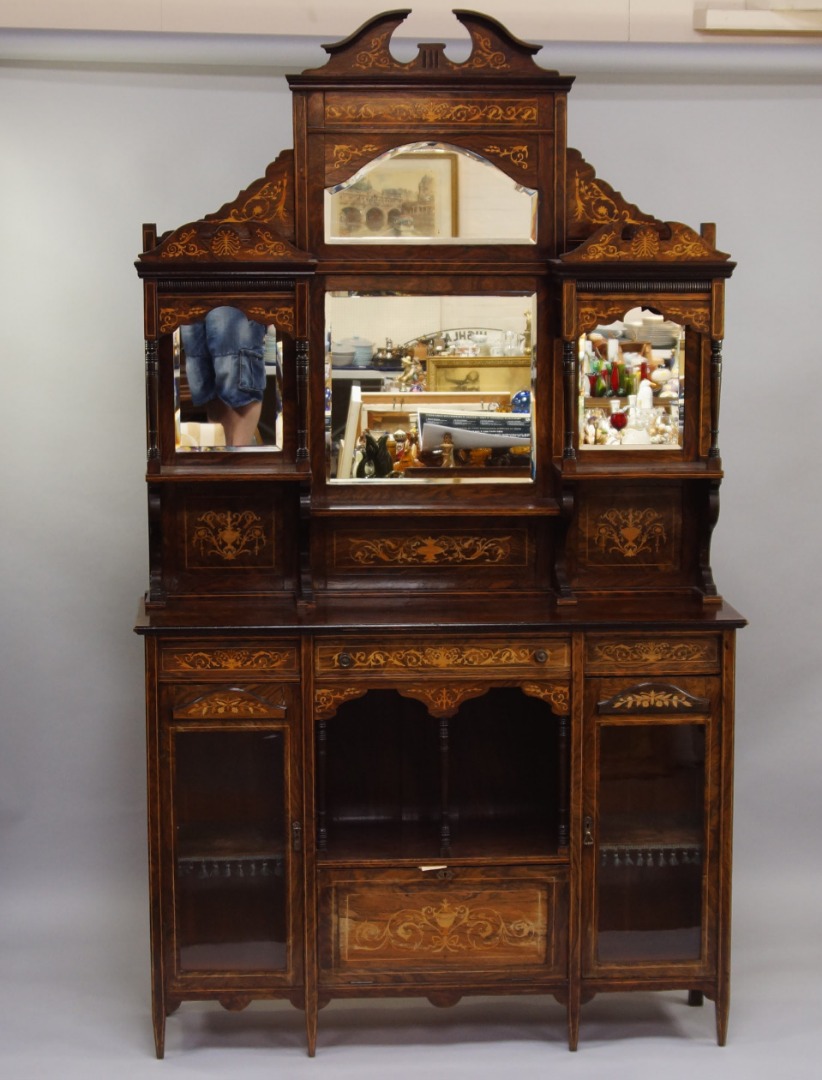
[(430, 193), (227, 383), (632, 384)]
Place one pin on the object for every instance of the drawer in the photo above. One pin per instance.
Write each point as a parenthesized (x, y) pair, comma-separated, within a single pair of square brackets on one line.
[(247, 657), (201, 659), (446, 920), (530, 657), (611, 654)]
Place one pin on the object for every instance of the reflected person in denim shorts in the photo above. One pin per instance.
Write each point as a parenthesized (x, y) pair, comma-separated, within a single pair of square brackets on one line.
[(226, 372)]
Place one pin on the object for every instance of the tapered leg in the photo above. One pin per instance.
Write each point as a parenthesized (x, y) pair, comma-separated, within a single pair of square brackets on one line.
[(573, 1011), (311, 1024), (723, 1005), (158, 1016)]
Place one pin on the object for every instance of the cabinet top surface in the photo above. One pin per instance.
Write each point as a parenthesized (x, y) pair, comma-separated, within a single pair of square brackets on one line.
[(517, 614)]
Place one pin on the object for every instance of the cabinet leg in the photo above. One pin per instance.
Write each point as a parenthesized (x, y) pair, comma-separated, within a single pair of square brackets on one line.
[(573, 1021), (159, 1021), (723, 1005), (311, 1008), (695, 998)]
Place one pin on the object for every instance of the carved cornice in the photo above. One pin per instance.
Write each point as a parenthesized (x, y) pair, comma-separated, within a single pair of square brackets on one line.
[(648, 242)]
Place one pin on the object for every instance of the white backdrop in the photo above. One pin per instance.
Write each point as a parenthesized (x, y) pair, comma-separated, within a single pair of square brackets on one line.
[(88, 154)]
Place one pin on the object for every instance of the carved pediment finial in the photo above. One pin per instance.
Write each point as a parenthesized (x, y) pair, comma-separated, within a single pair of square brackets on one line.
[(493, 50)]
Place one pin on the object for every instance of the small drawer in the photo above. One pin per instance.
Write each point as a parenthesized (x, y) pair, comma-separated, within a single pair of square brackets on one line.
[(201, 659), (531, 657), (442, 920), (662, 654)]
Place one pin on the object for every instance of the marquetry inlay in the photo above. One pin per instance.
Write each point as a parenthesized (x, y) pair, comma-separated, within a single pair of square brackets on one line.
[(630, 532), (228, 534), (246, 659), (445, 928), (653, 698)]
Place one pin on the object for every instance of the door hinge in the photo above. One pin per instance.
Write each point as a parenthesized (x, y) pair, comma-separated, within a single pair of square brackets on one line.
[(296, 836)]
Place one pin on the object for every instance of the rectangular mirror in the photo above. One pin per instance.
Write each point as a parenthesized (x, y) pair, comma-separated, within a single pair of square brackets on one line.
[(429, 388), (632, 384), (227, 384)]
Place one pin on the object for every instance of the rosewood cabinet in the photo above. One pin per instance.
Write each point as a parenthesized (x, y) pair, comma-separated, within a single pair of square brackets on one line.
[(439, 681)]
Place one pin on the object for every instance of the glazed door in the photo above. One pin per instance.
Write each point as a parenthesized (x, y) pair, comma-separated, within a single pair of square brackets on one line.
[(648, 841), (234, 841)]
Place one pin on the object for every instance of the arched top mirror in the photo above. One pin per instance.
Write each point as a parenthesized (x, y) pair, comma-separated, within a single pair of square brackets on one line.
[(430, 193)]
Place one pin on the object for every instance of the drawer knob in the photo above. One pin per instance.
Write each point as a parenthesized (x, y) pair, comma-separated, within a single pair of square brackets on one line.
[(345, 660), (540, 656)]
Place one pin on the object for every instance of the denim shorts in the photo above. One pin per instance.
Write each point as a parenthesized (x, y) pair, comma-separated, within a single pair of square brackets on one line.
[(224, 358)]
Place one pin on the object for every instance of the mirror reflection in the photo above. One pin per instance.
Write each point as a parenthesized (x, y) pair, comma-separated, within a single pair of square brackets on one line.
[(430, 193), (227, 382), (632, 384), (429, 387)]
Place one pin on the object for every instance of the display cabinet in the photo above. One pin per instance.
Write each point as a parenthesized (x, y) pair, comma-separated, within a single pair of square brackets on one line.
[(439, 681)]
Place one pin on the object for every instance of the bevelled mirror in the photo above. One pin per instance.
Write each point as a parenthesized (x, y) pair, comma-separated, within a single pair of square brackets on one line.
[(429, 387), (227, 383), (430, 193)]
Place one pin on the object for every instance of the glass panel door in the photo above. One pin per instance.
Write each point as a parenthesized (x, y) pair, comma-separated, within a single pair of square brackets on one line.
[(651, 842), (230, 821)]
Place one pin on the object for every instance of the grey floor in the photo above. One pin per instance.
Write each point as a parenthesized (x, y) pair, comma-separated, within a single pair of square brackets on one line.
[(74, 1004)]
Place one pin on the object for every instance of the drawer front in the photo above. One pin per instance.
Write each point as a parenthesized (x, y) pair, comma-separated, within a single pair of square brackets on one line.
[(201, 659), (492, 658), (467, 920), (611, 654)]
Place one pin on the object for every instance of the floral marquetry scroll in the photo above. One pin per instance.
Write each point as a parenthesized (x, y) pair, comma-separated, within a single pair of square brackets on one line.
[(592, 202), (528, 657), (230, 705), (175, 311), (256, 658), (268, 200), (464, 927), (653, 654), (399, 550), (653, 698)]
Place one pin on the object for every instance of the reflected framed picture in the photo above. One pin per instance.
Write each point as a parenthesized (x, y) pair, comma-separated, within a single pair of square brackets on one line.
[(483, 374), (407, 198)]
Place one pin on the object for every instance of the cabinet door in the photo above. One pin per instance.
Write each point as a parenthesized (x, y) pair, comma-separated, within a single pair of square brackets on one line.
[(231, 836), (648, 838)]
